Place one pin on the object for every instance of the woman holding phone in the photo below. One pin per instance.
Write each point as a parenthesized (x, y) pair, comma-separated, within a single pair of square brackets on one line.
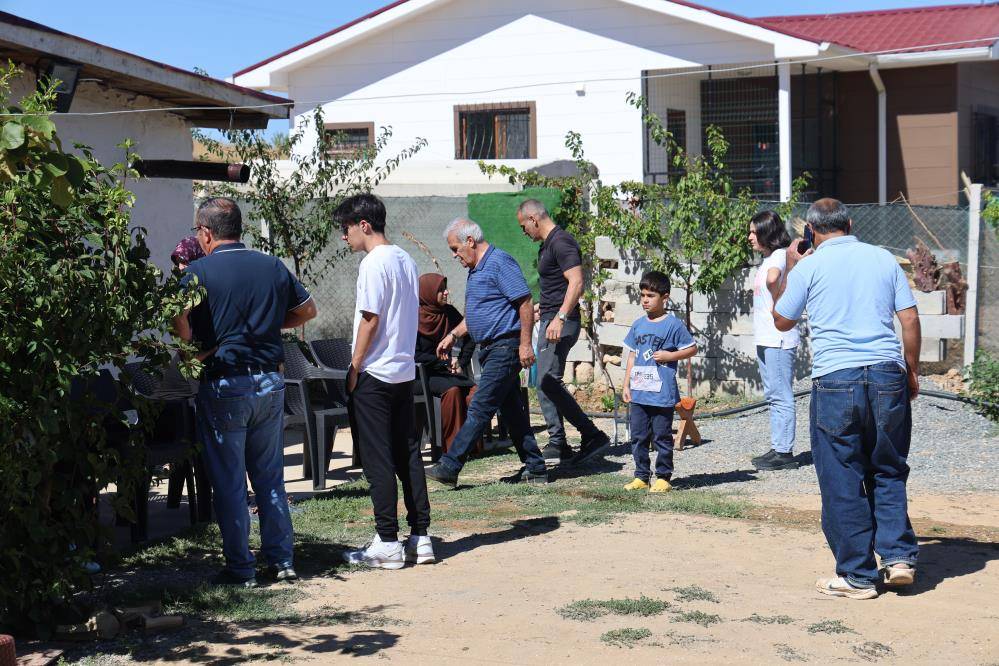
[(774, 350)]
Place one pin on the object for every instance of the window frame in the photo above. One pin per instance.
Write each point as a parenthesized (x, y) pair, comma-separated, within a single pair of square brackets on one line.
[(349, 151), (532, 139)]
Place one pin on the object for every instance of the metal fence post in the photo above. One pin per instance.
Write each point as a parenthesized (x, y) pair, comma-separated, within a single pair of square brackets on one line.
[(971, 300)]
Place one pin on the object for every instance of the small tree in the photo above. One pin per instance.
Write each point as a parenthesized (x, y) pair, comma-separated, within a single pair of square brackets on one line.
[(693, 228), (77, 293), (296, 208)]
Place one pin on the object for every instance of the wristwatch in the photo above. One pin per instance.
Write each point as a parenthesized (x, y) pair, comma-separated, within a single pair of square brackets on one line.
[(562, 317)]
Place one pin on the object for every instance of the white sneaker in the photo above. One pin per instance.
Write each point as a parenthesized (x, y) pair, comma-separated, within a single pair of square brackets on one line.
[(419, 550), (378, 554)]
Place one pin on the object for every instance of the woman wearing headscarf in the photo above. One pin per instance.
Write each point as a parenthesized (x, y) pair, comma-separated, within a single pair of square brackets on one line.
[(437, 319)]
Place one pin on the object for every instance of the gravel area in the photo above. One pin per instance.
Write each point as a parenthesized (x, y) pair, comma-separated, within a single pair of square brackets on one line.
[(953, 450)]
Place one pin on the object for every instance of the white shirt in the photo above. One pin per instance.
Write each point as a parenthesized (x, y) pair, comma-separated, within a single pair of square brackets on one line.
[(388, 286), (764, 330)]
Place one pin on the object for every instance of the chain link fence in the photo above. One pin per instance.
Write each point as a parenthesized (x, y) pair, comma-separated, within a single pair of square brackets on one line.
[(988, 291), (425, 218)]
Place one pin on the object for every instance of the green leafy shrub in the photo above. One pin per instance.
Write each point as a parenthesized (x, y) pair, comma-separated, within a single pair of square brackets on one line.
[(983, 383), (76, 294)]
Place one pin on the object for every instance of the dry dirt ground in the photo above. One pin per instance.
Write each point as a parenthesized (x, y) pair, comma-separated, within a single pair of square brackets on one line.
[(494, 598)]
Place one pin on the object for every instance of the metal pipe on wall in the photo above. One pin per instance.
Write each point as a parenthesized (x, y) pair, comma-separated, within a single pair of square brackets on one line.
[(882, 134)]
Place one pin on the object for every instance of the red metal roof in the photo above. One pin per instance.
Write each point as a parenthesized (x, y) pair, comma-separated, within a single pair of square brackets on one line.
[(887, 29)]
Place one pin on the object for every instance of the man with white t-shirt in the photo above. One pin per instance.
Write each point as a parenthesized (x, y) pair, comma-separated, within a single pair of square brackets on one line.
[(380, 385)]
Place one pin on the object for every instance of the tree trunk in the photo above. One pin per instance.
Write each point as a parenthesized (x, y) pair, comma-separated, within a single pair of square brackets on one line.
[(690, 362)]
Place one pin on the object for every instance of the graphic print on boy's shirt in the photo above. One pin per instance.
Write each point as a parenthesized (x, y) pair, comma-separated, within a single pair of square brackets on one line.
[(645, 338)]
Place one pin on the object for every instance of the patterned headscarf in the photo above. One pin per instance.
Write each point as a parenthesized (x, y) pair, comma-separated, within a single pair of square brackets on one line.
[(187, 251)]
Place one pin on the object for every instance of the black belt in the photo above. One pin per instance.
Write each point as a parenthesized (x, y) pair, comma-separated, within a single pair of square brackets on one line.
[(505, 336), (242, 370)]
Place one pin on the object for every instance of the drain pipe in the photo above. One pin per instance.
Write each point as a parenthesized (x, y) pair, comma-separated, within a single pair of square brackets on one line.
[(882, 134)]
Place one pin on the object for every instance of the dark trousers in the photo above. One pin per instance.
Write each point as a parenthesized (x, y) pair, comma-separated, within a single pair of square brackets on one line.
[(861, 423), (498, 390), (557, 403), (384, 416), (655, 423)]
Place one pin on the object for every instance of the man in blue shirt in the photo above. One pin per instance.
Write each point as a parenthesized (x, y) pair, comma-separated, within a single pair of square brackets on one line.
[(499, 315), (249, 297), (860, 417)]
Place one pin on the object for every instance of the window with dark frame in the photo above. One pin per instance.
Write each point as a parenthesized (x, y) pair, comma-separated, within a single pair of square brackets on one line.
[(495, 131), (349, 139)]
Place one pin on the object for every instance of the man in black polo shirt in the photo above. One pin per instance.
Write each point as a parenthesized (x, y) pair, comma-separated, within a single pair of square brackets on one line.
[(249, 298), (560, 276)]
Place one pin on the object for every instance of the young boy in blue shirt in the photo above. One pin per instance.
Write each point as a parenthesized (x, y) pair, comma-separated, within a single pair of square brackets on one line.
[(654, 344)]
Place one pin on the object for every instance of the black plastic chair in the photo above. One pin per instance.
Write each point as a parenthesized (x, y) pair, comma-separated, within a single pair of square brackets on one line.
[(335, 354), (429, 417), (172, 441), (320, 411)]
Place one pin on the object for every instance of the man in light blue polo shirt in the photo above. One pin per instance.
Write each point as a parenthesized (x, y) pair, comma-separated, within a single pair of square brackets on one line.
[(860, 417), (499, 315)]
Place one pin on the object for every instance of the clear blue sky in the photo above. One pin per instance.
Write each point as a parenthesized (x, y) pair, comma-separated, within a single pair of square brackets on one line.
[(223, 36)]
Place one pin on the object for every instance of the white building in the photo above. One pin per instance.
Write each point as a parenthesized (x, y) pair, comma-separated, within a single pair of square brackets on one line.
[(111, 80), (832, 95)]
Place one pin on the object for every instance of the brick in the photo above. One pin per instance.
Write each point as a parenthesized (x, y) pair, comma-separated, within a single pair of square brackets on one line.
[(933, 350), (615, 290), (606, 250), (627, 313), (580, 351), (630, 271), (942, 326), (724, 301), (611, 335), (932, 303)]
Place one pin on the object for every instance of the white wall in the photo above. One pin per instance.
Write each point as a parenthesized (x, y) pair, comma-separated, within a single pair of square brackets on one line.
[(163, 207), (479, 45)]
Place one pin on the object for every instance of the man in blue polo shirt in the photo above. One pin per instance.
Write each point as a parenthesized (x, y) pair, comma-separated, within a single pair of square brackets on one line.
[(249, 298), (861, 418), (499, 315)]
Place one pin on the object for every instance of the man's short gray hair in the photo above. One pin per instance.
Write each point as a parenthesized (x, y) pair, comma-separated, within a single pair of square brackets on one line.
[(463, 228), (532, 207), (828, 215)]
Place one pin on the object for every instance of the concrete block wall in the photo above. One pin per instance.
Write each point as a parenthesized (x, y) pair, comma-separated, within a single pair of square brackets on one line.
[(723, 328)]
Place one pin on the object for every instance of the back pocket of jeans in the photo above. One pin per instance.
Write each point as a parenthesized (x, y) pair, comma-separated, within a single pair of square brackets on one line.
[(892, 406), (834, 409)]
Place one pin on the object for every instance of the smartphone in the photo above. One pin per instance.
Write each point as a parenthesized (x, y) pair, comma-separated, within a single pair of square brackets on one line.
[(805, 245)]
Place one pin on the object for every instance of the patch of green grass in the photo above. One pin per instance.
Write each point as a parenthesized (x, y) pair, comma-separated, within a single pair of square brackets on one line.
[(625, 637), (697, 617), (769, 619), (872, 651), (694, 593), (198, 542), (936, 529), (788, 653), (586, 610), (830, 627), (229, 603)]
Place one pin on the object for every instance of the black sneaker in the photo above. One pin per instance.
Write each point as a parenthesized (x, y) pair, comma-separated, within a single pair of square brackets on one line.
[(771, 461), (440, 474), (226, 577), (591, 449), (281, 574), (555, 454), (524, 475)]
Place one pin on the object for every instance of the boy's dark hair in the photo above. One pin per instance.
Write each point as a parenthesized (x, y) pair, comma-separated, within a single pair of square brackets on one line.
[(222, 217), (770, 230), (656, 281), (359, 207)]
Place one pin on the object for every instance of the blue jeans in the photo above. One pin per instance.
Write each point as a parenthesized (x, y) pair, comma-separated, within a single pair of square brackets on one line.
[(557, 403), (655, 423), (777, 372), (861, 423), (240, 425), (499, 390)]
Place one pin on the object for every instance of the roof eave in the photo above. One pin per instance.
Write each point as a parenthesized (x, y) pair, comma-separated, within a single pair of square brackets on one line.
[(39, 41), (942, 57)]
